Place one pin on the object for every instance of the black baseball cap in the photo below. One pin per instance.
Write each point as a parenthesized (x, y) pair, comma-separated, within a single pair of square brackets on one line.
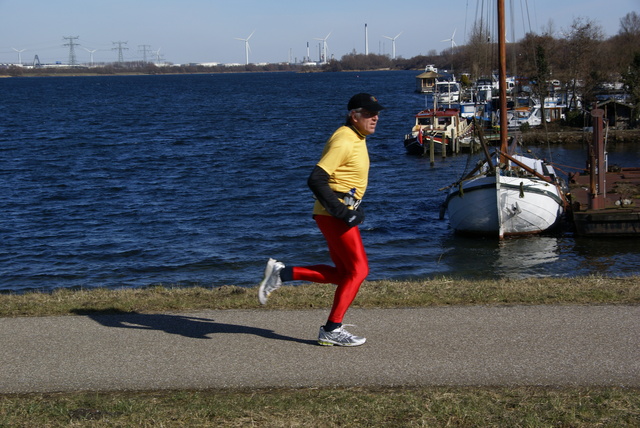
[(365, 101)]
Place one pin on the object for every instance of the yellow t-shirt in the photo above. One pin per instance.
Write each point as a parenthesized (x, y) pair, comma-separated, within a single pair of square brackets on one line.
[(346, 159)]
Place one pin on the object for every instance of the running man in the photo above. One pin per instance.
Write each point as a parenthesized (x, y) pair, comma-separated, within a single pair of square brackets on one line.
[(338, 181)]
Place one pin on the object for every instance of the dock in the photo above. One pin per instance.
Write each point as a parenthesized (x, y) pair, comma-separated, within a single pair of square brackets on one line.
[(604, 202), (619, 214)]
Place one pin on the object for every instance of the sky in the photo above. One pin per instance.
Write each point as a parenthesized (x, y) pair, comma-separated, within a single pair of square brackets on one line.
[(206, 31)]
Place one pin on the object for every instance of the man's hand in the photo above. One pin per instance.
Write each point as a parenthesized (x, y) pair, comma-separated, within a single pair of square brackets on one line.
[(354, 218)]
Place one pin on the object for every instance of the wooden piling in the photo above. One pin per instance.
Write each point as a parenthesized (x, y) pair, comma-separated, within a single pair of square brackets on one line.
[(432, 150)]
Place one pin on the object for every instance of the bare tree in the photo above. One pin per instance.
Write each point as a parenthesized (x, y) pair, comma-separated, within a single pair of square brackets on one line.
[(478, 55), (581, 51), (630, 24), (549, 29), (625, 44)]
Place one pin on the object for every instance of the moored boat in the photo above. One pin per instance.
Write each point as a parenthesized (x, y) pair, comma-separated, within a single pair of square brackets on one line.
[(447, 92), (519, 116), (523, 197), (444, 126)]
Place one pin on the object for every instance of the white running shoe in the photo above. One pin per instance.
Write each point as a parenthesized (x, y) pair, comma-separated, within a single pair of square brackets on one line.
[(339, 337), (271, 280)]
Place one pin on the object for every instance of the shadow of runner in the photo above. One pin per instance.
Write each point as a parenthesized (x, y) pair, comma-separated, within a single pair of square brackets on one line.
[(194, 327)]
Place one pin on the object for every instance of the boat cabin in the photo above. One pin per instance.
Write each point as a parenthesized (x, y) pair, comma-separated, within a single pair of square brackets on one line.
[(483, 90), (437, 119), (448, 92), (426, 82)]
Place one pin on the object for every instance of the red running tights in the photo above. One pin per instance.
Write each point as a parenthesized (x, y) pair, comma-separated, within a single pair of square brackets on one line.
[(351, 264)]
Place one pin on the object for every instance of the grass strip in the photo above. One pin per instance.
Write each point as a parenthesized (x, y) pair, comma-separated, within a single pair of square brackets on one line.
[(374, 294), (328, 407)]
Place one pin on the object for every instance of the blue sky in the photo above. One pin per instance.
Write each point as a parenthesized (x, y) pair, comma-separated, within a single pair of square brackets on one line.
[(206, 30)]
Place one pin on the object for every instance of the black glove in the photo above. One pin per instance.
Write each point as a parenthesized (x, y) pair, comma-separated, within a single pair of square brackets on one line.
[(354, 218)]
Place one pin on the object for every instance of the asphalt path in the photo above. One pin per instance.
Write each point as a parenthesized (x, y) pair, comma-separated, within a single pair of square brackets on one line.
[(471, 345)]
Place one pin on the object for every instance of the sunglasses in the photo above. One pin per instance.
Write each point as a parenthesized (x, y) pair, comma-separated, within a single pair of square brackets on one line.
[(369, 114)]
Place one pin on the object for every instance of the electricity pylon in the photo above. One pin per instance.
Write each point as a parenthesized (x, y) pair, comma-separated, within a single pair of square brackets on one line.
[(72, 51), (120, 49)]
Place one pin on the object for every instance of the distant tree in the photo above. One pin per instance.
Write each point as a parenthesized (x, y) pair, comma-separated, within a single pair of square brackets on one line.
[(623, 46), (549, 29), (479, 53), (630, 24), (531, 50), (355, 61), (333, 65), (15, 71), (151, 68), (417, 62)]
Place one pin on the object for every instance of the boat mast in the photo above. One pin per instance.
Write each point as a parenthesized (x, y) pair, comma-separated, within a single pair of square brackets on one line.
[(502, 78)]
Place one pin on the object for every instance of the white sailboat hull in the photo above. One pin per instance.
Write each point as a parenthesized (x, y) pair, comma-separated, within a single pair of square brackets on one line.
[(504, 206)]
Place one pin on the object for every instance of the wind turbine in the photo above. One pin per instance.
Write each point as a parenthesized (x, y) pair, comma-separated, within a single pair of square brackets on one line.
[(453, 44), (19, 54), (246, 46), (90, 54), (324, 46), (393, 44)]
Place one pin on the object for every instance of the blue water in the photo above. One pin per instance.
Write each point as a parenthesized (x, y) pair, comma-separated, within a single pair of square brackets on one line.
[(129, 181)]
